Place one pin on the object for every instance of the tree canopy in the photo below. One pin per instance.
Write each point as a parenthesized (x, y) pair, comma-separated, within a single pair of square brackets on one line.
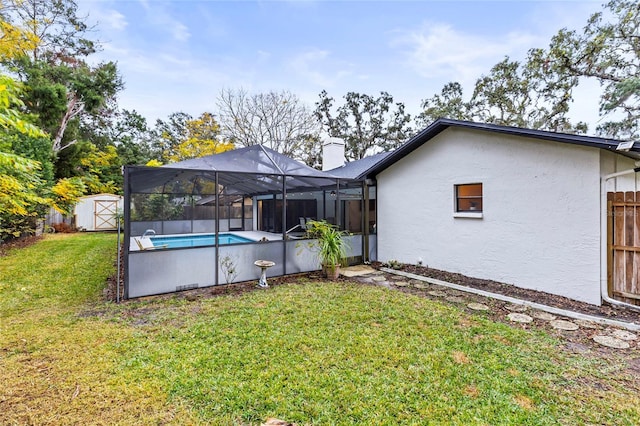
[(538, 92), (278, 120), (608, 50), (365, 123)]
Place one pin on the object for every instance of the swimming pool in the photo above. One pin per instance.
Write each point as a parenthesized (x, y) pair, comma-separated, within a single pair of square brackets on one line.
[(180, 241)]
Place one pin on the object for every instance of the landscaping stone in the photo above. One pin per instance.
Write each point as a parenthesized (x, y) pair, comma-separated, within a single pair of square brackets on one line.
[(456, 292), (478, 306), (401, 283), (577, 347), (455, 299), (437, 293), (611, 342), (421, 285), (277, 422), (379, 278), (357, 270), (546, 316), (518, 317), (624, 335), (564, 325), (516, 308), (586, 323)]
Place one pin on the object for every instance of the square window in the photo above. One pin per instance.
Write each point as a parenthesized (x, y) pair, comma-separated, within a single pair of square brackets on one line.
[(469, 198)]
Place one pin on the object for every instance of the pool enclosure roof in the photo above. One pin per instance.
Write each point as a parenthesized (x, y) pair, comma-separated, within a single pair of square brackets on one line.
[(252, 170)]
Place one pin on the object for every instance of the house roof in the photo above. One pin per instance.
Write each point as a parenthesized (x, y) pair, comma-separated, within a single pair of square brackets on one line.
[(442, 124), (353, 169)]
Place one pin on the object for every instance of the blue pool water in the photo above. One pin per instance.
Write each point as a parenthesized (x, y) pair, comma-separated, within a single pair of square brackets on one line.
[(179, 241)]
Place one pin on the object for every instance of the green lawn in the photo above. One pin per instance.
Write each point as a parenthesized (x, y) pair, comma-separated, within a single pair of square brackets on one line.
[(310, 353)]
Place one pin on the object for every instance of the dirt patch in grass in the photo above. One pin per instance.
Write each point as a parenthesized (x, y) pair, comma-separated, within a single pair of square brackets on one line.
[(19, 243)]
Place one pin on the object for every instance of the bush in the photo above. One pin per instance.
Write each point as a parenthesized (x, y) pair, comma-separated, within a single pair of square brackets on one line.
[(64, 228)]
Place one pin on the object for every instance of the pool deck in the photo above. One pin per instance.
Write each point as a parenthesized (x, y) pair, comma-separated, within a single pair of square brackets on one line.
[(251, 235)]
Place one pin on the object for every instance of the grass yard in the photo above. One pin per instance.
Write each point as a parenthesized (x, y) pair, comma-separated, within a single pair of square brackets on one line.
[(310, 353)]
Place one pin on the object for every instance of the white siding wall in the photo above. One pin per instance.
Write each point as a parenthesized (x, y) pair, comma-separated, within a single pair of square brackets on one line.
[(541, 221)]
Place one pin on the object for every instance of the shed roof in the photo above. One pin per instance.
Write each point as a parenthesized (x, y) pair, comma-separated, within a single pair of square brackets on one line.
[(442, 124)]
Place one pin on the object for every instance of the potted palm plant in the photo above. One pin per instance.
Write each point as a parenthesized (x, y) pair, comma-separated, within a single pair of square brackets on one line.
[(330, 246)]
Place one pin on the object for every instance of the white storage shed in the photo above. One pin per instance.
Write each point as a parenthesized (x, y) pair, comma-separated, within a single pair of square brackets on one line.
[(98, 212)]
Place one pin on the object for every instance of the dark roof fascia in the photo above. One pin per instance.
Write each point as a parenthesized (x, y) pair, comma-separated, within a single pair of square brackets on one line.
[(442, 124)]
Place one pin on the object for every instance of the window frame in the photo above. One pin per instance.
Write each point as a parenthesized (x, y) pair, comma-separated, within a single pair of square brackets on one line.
[(471, 213)]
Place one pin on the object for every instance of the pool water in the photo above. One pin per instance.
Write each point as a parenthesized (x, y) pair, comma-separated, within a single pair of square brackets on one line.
[(179, 241)]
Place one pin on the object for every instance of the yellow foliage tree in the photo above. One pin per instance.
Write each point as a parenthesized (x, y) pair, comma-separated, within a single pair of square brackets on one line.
[(201, 137), (66, 193), (98, 165), (15, 41)]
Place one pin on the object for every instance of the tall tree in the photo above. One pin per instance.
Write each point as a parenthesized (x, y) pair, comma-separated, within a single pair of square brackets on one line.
[(126, 130), (62, 93), (182, 137), (278, 120), (168, 134), (14, 40), (449, 103), (511, 94), (60, 32), (608, 50), (62, 85), (365, 123)]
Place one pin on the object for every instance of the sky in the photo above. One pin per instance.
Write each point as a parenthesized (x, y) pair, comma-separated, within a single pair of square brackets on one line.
[(178, 55)]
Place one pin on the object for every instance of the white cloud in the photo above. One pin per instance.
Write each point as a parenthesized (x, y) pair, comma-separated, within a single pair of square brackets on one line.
[(316, 67), (161, 18), (180, 31), (438, 50), (111, 18)]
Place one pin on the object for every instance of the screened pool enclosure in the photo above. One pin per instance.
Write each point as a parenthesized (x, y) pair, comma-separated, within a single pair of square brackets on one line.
[(205, 221)]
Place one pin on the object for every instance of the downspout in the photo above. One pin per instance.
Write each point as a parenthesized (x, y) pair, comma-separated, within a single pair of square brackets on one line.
[(604, 291), (365, 222)]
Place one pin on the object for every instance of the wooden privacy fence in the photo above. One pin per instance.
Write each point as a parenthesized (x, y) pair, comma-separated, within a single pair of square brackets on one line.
[(623, 246)]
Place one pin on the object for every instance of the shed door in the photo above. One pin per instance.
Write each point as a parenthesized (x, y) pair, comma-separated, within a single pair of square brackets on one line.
[(623, 246), (105, 216)]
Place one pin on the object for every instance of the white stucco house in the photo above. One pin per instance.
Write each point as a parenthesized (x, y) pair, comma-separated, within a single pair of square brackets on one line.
[(519, 206), (540, 210)]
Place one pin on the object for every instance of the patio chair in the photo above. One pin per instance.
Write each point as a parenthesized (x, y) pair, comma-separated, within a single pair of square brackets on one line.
[(145, 243)]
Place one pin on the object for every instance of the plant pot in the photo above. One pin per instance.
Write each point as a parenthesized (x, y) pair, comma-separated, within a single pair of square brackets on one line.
[(332, 272)]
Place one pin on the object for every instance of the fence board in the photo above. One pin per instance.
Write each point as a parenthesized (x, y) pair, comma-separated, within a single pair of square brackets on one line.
[(632, 285), (618, 239), (623, 246), (610, 244)]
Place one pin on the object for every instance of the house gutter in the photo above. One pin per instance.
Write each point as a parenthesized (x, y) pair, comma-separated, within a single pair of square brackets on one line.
[(604, 291)]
